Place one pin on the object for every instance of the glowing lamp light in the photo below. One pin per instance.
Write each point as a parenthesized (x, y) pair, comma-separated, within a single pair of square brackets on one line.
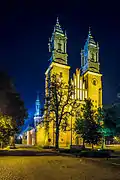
[(115, 138), (101, 123)]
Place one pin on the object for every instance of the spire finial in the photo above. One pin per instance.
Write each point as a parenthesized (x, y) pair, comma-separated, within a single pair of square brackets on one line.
[(37, 95), (65, 33), (57, 22), (89, 30)]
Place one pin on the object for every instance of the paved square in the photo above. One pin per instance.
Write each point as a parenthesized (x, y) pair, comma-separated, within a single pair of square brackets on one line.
[(55, 168)]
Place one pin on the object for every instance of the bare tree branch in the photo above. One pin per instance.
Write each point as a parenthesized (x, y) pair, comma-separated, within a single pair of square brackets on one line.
[(59, 101)]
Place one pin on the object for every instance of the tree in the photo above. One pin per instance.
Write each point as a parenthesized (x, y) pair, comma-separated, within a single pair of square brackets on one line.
[(93, 136), (110, 118), (11, 104), (5, 129), (80, 128), (106, 118), (16, 110), (86, 124), (60, 104)]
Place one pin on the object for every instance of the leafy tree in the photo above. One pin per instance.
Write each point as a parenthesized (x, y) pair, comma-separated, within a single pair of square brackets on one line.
[(11, 104), (16, 110), (60, 104), (87, 126), (93, 136), (100, 116), (106, 118), (110, 118), (80, 128), (5, 128)]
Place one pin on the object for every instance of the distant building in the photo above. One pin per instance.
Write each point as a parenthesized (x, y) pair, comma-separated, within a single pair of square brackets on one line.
[(29, 133)]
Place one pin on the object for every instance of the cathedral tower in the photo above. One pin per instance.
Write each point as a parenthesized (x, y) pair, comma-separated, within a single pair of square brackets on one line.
[(57, 45), (90, 55), (90, 71), (58, 60), (58, 65)]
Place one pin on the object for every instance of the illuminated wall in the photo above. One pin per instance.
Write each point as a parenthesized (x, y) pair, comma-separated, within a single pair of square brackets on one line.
[(79, 84), (94, 88), (42, 135)]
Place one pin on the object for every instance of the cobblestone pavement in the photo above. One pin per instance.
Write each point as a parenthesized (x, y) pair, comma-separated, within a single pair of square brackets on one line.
[(54, 168)]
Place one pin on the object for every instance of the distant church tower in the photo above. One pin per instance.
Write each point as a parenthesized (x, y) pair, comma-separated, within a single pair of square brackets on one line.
[(90, 70), (37, 115)]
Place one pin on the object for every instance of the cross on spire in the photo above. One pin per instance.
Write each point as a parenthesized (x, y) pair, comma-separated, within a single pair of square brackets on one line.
[(89, 31), (57, 22), (37, 95)]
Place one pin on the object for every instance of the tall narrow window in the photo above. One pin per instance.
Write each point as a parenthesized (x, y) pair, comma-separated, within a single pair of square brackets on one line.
[(93, 57), (80, 94), (85, 94), (59, 46)]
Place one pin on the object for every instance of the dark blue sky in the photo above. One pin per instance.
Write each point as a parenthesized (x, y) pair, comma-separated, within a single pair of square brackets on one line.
[(25, 27)]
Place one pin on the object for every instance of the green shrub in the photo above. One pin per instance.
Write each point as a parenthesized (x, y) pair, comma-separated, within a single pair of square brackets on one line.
[(64, 150), (94, 153)]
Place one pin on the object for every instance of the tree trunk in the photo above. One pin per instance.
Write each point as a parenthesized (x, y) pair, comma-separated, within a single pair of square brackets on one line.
[(92, 146), (1, 145), (103, 142), (57, 138), (83, 143), (12, 142)]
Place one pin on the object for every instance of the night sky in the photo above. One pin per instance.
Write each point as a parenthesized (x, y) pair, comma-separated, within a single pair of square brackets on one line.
[(25, 27)]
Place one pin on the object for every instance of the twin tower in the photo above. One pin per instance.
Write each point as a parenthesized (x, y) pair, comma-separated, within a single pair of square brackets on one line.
[(87, 79)]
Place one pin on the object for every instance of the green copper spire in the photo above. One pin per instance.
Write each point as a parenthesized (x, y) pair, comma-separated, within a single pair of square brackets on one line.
[(89, 31), (57, 27), (90, 39), (57, 21), (58, 45), (37, 95)]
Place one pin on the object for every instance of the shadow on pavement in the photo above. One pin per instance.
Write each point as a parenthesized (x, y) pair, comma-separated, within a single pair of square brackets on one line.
[(27, 153), (47, 152)]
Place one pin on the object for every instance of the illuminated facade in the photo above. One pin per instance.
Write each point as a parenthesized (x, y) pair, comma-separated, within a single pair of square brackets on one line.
[(87, 82)]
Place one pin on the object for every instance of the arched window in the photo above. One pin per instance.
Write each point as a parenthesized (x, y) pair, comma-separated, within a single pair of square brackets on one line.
[(59, 46)]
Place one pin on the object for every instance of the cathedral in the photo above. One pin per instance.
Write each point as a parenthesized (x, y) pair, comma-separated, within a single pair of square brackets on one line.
[(86, 80)]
